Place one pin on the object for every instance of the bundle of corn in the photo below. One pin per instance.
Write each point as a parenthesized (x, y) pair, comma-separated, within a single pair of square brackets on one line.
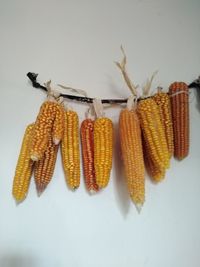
[(87, 140), (103, 150), (44, 168), (156, 149), (24, 168), (49, 113), (163, 101), (132, 154), (179, 95), (70, 149)]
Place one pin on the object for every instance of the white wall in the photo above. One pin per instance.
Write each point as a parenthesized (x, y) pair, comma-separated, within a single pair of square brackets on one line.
[(75, 43)]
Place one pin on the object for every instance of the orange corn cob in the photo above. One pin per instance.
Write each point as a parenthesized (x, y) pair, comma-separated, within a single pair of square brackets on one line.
[(153, 132), (87, 138), (24, 168), (42, 129), (180, 117), (131, 146), (44, 168), (163, 101), (103, 149), (70, 150)]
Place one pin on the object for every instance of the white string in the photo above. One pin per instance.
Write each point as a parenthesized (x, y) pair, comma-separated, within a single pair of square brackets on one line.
[(179, 92)]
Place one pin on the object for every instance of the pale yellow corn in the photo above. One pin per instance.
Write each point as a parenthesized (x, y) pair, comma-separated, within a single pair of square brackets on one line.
[(70, 150)]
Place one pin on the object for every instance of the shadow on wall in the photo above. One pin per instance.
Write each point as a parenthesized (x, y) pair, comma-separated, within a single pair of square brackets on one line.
[(16, 260), (120, 187)]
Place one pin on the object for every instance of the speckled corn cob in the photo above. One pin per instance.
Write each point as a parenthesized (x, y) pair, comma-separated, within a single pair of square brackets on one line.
[(153, 132), (42, 129), (103, 149), (163, 101), (44, 168), (24, 168), (70, 150), (180, 117), (87, 140), (58, 125), (132, 154)]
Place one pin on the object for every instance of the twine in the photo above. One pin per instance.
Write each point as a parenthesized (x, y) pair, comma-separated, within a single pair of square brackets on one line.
[(179, 92)]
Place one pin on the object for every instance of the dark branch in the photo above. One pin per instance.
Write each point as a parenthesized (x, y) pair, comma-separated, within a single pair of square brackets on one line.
[(33, 77)]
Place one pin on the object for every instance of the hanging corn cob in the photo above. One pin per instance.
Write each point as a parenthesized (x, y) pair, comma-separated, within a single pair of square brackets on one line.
[(58, 125), (179, 95), (131, 146), (42, 129), (153, 132), (156, 173), (87, 138), (44, 168), (163, 102), (70, 149), (156, 150), (103, 149), (24, 167)]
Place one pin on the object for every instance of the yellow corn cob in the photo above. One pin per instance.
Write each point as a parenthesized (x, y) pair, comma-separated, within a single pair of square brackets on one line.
[(153, 132), (70, 149), (58, 125), (132, 154), (44, 168), (163, 102), (156, 173), (103, 149), (42, 129), (24, 167)]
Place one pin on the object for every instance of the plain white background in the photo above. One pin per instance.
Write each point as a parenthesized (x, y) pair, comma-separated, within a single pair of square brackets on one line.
[(76, 43)]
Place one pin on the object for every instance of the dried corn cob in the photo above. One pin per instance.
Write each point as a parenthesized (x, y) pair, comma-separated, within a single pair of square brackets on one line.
[(44, 168), (153, 132), (131, 145), (24, 167), (42, 129), (156, 173), (87, 138), (58, 125), (163, 102), (180, 116), (70, 149), (103, 149)]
